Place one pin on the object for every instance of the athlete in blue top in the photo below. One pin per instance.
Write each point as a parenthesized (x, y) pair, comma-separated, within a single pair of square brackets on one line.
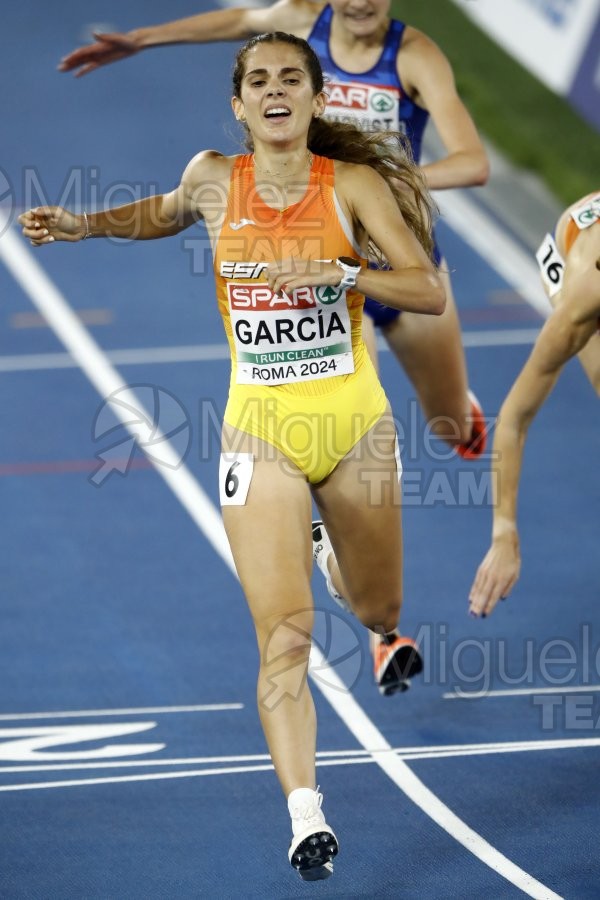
[(384, 76)]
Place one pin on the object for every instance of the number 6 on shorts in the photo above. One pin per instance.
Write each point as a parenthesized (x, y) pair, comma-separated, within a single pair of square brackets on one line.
[(235, 475)]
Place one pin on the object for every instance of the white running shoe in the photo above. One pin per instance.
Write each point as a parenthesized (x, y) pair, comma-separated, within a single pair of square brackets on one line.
[(314, 844), (322, 550)]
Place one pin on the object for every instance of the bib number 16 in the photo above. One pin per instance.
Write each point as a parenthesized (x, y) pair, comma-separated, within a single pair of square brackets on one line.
[(551, 265)]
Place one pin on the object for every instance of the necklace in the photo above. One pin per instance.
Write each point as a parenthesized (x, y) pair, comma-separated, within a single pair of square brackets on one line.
[(308, 160)]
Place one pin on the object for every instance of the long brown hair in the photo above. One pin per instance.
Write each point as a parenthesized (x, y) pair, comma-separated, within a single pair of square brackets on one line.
[(388, 153)]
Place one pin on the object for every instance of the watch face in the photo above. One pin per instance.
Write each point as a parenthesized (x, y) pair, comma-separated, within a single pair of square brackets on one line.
[(349, 261)]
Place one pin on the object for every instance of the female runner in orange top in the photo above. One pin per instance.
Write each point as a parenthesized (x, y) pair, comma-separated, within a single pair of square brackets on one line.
[(290, 241)]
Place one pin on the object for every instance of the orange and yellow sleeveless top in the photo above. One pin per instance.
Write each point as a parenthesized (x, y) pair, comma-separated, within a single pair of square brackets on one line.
[(306, 339), (556, 247), (301, 377), (583, 214)]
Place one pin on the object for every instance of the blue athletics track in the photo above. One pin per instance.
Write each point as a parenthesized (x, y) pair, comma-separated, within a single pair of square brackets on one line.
[(132, 763)]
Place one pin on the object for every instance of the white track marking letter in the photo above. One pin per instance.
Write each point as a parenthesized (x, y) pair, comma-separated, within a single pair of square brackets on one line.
[(36, 744)]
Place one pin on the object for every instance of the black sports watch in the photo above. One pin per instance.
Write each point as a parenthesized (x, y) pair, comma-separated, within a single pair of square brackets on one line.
[(350, 268)]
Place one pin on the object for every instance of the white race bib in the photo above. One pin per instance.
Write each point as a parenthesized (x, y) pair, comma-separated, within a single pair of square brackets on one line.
[(586, 214), (367, 107), (552, 265), (290, 337), (235, 475)]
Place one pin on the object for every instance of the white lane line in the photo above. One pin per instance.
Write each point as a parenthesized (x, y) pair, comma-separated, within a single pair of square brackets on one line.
[(136, 711), (503, 254), (324, 757), (370, 737), (524, 692), (35, 282), (30, 362), (522, 880), (154, 776), (26, 362), (497, 338)]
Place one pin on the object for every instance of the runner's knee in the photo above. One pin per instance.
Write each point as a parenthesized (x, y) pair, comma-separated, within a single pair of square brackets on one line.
[(378, 615), (285, 638)]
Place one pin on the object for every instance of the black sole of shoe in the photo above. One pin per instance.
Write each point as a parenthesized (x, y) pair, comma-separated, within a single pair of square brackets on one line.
[(406, 662), (394, 687), (315, 850)]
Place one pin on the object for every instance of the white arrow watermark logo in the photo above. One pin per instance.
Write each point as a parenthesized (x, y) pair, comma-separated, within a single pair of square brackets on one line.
[(153, 418)]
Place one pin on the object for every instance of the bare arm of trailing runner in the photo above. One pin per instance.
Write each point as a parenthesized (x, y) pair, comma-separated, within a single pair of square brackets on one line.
[(427, 76), (292, 16), (560, 339)]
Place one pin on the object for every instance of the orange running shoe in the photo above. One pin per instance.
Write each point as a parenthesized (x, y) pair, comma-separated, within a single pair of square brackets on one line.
[(395, 664), (478, 441)]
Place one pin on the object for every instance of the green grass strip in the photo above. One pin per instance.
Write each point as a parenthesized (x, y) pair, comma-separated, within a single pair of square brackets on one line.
[(533, 127)]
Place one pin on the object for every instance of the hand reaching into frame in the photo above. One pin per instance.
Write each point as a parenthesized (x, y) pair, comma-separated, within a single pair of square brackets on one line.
[(108, 48), (496, 575)]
